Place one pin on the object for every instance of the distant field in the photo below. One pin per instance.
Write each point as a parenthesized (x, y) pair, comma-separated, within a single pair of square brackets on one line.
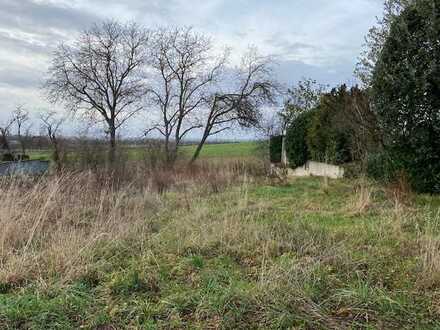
[(223, 150), (40, 154), (231, 150)]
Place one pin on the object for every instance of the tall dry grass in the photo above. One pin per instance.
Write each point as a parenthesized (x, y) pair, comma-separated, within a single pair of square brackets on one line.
[(428, 238), (61, 228), (50, 225), (363, 197)]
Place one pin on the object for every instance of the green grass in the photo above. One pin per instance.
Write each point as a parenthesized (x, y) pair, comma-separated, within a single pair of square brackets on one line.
[(209, 151), (228, 150), (254, 256), (39, 154)]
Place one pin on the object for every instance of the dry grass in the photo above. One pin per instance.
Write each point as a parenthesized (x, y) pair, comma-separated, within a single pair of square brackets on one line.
[(50, 225), (217, 246), (362, 199), (430, 260), (428, 238)]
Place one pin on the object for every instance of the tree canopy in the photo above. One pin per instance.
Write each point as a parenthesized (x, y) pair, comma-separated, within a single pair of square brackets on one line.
[(406, 93)]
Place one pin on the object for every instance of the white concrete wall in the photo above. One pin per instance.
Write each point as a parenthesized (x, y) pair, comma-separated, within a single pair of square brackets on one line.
[(318, 169)]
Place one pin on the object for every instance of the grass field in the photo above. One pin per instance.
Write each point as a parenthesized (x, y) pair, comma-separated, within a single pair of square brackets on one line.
[(222, 252), (210, 151), (228, 150)]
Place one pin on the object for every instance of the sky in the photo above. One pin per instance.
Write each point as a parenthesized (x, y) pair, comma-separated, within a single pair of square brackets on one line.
[(320, 39)]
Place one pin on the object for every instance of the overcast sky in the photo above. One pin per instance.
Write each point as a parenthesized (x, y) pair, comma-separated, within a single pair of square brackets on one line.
[(312, 38)]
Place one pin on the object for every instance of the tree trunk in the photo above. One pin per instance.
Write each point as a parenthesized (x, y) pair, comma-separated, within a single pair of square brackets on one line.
[(56, 155), (23, 147), (206, 132), (199, 147), (168, 151), (284, 161), (172, 155), (5, 142), (112, 151)]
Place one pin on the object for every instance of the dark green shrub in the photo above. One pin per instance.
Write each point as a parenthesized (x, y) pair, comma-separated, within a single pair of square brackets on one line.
[(275, 147), (353, 170), (327, 140), (383, 166), (406, 93), (296, 139), (22, 157), (8, 157)]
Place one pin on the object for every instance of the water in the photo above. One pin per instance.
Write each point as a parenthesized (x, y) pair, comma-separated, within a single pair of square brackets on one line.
[(30, 167)]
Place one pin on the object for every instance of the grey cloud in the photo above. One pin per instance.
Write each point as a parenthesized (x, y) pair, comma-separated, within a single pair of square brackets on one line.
[(148, 6), (290, 72), (161, 11), (31, 28), (19, 77), (11, 43), (297, 47), (285, 46), (31, 16)]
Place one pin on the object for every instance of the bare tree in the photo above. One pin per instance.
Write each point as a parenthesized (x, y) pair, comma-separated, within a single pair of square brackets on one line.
[(100, 74), (5, 131), (51, 123), (242, 103), (185, 67), (270, 124), (21, 118)]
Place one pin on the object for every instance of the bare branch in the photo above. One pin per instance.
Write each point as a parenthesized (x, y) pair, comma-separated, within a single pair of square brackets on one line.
[(100, 73), (242, 104), (185, 69)]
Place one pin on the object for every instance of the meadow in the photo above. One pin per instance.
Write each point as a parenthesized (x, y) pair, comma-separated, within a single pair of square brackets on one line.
[(217, 246), (221, 150)]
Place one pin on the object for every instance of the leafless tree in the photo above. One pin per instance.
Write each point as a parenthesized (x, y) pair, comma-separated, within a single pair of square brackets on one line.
[(51, 123), (21, 119), (270, 124), (5, 131), (185, 67), (100, 74), (242, 103)]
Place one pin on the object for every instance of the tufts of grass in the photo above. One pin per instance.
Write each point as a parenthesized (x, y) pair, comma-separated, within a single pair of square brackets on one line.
[(229, 252)]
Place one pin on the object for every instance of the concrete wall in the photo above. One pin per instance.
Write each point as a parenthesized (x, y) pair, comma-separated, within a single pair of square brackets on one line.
[(30, 167), (318, 169)]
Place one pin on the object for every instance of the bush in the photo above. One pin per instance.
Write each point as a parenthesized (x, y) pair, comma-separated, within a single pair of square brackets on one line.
[(329, 136), (8, 157), (388, 166), (296, 139), (382, 166), (275, 148), (353, 170), (406, 93), (22, 157)]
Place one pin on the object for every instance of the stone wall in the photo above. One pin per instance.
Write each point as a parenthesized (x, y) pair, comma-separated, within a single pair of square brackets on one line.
[(318, 169)]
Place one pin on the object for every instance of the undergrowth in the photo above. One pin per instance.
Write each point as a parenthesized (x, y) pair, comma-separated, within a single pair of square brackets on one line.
[(222, 250)]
